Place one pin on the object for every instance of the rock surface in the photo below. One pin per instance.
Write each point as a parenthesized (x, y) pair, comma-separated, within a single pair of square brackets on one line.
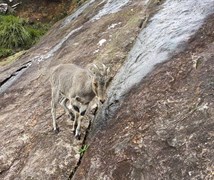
[(162, 128), (29, 149), (3, 8)]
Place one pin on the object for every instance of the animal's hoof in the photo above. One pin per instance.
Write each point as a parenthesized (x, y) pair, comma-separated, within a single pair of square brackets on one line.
[(56, 131), (77, 137)]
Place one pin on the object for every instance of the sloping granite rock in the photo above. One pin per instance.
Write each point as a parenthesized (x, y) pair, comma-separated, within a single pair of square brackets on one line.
[(29, 149), (3, 8), (163, 128)]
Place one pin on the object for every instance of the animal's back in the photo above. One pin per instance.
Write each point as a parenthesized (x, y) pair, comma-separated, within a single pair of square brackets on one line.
[(67, 76)]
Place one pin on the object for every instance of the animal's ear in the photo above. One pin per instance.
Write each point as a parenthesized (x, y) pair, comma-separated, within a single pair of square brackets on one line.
[(92, 68), (108, 71), (108, 81), (91, 73), (109, 76)]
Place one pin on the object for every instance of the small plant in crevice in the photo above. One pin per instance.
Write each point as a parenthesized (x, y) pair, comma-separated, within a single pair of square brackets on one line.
[(83, 150), (79, 2)]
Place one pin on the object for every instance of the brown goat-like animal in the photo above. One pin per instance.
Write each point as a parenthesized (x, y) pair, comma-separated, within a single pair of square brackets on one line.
[(78, 86)]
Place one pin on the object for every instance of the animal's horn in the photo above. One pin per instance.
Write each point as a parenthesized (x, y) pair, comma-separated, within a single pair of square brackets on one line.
[(104, 67), (95, 66), (95, 70)]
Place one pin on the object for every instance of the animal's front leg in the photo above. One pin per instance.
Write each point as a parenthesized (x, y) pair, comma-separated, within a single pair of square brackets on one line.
[(75, 122), (78, 129)]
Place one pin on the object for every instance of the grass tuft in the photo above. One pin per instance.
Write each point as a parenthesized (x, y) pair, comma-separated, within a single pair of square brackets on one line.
[(17, 34), (13, 33)]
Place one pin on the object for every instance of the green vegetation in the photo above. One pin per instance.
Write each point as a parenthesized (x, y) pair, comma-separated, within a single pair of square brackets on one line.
[(79, 2), (83, 149), (12, 58), (4, 52), (13, 34), (17, 34)]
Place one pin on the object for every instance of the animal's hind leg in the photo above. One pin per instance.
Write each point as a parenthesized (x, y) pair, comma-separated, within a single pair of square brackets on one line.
[(53, 112), (68, 112), (55, 98)]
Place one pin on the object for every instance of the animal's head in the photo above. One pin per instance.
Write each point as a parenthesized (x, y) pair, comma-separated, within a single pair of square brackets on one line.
[(100, 78)]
